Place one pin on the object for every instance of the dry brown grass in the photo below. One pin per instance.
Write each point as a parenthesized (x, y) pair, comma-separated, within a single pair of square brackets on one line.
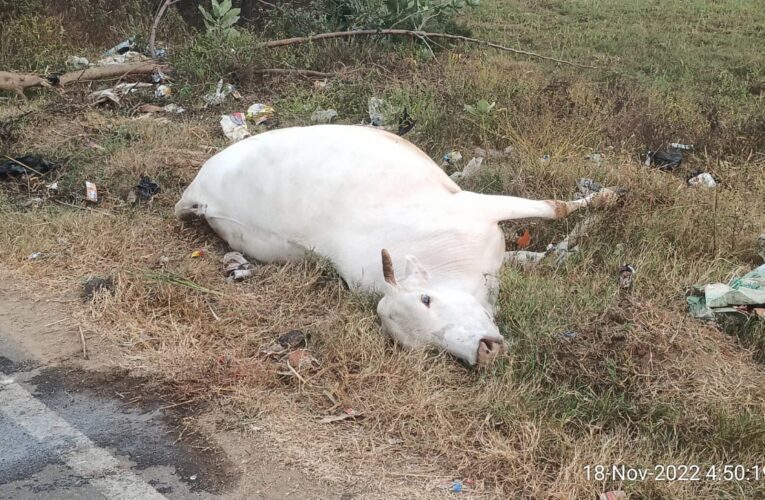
[(641, 384)]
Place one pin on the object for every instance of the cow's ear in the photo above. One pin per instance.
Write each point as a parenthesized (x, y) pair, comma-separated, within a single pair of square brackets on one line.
[(415, 274), (387, 267)]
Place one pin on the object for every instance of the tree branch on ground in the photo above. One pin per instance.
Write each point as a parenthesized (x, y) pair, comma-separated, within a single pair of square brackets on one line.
[(414, 34), (111, 71), (288, 71)]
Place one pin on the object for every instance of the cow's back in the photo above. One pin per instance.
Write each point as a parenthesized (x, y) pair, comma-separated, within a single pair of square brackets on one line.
[(279, 193)]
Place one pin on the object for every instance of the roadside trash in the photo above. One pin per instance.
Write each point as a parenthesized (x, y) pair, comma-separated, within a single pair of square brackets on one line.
[(456, 486), (103, 97), (472, 168), (406, 123), (569, 335), (129, 88), (91, 144), (152, 108), (562, 251), (595, 158), (301, 359), (685, 147), (741, 296), (376, 114), (348, 413), (452, 158), (260, 113), (77, 62), (146, 188), (200, 252), (613, 495), (324, 115), (174, 108), (53, 186), (94, 285), (626, 273), (220, 94), (122, 47), (272, 351), (544, 159), (91, 192), (704, 179), (236, 267), (586, 187), (33, 203), (493, 154), (158, 76), (664, 160), (113, 94), (522, 238), (234, 126), (292, 339), (163, 92), (193, 478), (35, 256), (25, 165), (127, 57)]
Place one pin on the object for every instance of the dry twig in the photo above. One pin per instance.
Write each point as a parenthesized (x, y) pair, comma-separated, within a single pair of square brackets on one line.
[(415, 34)]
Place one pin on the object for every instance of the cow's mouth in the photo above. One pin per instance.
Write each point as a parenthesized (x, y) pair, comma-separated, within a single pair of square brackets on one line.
[(489, 349)]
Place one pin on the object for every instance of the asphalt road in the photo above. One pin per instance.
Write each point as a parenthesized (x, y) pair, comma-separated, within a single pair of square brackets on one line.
[(67, 435)]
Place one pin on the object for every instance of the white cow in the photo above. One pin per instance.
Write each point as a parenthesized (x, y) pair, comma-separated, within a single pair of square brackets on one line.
[(349, 193)]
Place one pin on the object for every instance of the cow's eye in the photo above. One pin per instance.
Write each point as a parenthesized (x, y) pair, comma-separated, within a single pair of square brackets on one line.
[(425, 299)]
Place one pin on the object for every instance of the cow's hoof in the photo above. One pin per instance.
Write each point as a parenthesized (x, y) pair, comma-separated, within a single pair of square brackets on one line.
[(607, 197)]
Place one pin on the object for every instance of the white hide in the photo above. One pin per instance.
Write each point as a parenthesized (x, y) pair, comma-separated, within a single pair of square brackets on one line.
[(346, 192)]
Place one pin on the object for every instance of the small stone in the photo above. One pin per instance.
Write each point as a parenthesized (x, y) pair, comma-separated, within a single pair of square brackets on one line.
[(95, 285), (292, 339), (301, 359)]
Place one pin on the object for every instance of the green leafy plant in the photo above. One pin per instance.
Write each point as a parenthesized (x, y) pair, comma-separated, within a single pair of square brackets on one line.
[(405, 14), (481, 109), (221, 19)]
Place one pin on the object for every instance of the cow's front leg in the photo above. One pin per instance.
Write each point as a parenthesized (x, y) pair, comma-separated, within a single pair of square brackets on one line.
[(606, 197), (499, 208)]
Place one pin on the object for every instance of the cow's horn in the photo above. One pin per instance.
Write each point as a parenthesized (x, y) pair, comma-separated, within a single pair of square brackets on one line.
[(387, 264)]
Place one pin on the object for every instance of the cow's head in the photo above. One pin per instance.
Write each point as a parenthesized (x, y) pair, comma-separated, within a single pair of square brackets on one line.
[(417, 315)]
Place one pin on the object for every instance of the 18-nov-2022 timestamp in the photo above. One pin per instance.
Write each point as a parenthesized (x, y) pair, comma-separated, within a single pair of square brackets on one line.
[(675, 472)]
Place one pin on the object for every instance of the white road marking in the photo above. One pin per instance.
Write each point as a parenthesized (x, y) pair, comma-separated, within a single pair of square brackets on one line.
[(80, 453)]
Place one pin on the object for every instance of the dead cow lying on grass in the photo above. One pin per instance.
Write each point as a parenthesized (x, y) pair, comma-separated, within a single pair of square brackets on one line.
[(350, 192)]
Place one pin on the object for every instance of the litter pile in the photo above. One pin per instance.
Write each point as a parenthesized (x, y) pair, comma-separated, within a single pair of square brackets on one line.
[(744, 295), (236, 267), (235, 127), (570, 244), (453, 160), (671, 158), (25, 165)]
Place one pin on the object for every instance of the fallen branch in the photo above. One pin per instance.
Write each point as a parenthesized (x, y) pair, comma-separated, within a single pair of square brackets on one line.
[(302, 72), (155, 24), (413, 34), (110, 72)]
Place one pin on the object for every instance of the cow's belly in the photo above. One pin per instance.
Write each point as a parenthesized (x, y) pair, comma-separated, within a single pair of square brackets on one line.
[(255, 241)]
